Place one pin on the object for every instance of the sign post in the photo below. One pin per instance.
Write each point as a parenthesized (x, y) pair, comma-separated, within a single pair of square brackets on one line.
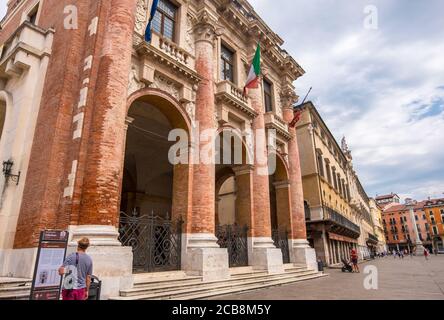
[(51, 253)]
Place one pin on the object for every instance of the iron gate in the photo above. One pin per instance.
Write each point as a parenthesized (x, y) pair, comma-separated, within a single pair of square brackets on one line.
[(156, 241), (235, 239), (280, 239)]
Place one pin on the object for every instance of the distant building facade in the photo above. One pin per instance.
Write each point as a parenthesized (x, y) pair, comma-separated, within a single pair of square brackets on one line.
[(386, 200), (337, 207), (376, 213), (399, 228), (434, 210)]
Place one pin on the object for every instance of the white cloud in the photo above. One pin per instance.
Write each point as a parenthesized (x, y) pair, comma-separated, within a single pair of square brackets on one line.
[(2, 8)]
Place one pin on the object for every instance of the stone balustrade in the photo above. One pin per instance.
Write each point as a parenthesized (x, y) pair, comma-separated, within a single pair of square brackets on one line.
[(172, 50), (232, 95), (273, 121)]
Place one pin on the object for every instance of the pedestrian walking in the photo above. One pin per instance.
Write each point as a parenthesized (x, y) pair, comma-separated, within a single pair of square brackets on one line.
[(354, 259), (77, 269), (426, 254)]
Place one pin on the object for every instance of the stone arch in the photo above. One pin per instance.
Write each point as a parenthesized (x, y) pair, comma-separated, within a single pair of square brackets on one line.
[(280, 202), (151, 114), (247, 156), (169, 105), (5, 106), (234, 179)]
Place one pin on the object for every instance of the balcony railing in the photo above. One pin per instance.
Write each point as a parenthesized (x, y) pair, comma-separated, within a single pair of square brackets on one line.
[(336, 217), (230, 94), (372, 237)]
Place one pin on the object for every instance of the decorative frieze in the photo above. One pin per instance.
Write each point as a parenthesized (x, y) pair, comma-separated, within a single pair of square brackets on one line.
[(134, 83), (165, 84), (141, 16)]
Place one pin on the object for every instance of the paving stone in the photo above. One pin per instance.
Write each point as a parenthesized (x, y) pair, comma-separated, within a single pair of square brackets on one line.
[(408, 279)]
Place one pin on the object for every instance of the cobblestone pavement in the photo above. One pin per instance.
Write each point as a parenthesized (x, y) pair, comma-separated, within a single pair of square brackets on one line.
[(408, 279)]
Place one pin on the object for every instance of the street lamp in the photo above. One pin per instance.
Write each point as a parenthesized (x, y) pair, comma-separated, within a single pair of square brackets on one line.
[(7, 168)]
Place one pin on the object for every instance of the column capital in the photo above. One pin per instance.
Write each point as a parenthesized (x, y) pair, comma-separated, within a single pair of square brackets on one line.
[(206, 27), (282, 184), (288, 97), (243, 169)]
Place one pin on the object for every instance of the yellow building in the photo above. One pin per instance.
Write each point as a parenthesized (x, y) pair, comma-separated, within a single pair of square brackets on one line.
[(376, 213), (435, 212), (337, 210)]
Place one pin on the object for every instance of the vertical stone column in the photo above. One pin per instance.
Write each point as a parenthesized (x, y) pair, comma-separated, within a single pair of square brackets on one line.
[(99, 208), (300, 251), (283, 205), (265, 255), (203, 255), (419, 248), (244, 197)]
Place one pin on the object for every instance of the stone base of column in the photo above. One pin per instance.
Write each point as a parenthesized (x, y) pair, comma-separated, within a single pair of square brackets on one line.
[(17, 263), (301, 253), (419, 251), (265, 256), (112, 263), (202, 256)]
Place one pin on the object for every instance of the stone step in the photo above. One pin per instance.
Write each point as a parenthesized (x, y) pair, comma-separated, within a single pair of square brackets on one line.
[(162, 286), (14, 288), (207, 287), (13, 282), (15, 293), (206, 290), (160, 281), (153, 276), (248, 288)]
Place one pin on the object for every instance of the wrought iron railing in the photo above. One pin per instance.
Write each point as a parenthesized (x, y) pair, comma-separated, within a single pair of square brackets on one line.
[(280, 239), (235, 239), (156, 241), (333, 215)]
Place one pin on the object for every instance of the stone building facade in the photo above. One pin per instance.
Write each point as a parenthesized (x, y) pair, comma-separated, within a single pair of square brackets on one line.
[(376, 213), (86, 108), (336, 205), (400, 231), (399, 228), (434, 209)]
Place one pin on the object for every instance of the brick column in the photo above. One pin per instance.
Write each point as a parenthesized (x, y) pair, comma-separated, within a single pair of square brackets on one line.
[(101, 189), (265, 255), (261, 194), (301, 251), (202, 255), (103, 172)]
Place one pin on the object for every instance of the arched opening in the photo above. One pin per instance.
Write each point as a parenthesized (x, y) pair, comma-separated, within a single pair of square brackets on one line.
[(154, 192), (280, 207), (2, 116), (233, 196)]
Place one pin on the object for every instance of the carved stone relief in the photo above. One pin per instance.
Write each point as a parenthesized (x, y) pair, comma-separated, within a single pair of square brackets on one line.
[(189, 37), (166, 85), (141, 16), (134, 82)]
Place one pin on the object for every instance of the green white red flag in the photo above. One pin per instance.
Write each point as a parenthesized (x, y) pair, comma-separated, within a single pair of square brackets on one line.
[(255, 71)]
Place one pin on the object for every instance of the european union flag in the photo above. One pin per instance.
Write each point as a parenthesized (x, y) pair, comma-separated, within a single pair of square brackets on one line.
[(148, 27)]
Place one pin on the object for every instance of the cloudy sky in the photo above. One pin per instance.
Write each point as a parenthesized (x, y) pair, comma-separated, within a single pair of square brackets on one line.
[(2, 8), (383, 89)]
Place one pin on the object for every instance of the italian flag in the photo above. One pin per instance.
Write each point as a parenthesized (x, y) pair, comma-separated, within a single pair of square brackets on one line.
[(255, 71)]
